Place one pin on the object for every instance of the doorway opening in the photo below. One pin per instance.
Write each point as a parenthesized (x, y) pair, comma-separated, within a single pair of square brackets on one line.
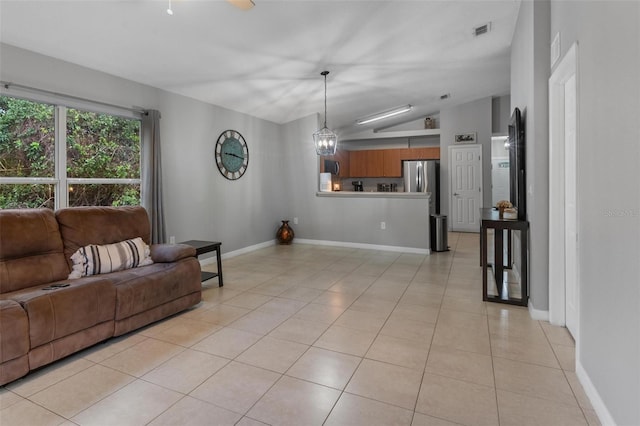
[(564, 289)]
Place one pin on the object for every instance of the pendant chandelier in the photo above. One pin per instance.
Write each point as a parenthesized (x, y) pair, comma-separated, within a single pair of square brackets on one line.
[(324, 139)]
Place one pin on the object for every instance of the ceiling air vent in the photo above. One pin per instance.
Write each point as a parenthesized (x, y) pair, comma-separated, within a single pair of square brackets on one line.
[(482, 29)]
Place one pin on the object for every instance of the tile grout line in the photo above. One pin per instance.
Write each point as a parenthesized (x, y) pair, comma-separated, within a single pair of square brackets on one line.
[(309, 347), (377, 334), (564, 373), (424, 371), (342, 392)]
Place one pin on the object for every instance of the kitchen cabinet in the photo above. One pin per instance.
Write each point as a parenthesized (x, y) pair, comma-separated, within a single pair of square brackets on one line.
[(375, 163), (426, 153), (367, 163), (392, 159), (387, 162), (358, 163), (342, 157)]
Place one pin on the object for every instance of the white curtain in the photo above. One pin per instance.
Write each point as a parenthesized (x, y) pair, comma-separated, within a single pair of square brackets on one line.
[(152, 175)]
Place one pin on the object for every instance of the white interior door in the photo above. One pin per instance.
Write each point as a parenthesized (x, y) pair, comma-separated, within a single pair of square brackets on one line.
[(465, 177), (564, 289)]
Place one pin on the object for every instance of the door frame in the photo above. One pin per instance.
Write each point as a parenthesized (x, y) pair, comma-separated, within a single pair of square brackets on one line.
[(557, 218), (481, 192)]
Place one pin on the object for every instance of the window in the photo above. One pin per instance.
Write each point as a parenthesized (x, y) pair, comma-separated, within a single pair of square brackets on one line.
[(27, 154), (94, 160)]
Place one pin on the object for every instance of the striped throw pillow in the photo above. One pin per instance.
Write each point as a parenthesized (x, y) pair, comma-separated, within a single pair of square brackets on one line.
[(95, 259)]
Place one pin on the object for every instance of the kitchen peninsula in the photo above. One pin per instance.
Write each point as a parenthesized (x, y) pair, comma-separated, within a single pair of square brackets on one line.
[(375, 217), (383, 220)]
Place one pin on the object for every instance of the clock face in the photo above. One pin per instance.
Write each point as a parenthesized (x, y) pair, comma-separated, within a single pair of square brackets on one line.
[(232, 154)]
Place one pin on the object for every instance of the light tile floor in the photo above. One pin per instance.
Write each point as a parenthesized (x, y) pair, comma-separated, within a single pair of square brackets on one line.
[(311, 335)]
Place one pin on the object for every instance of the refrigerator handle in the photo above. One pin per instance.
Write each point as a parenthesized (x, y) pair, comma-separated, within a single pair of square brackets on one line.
[(419, 172)]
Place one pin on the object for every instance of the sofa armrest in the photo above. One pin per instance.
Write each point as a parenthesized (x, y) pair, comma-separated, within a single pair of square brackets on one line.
[(166, 253)]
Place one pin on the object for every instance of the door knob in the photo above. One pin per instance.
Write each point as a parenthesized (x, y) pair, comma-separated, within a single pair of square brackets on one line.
[(456, 194)]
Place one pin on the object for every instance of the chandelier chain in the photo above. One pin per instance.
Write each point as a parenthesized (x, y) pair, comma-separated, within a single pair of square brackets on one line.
[(324, 139), (324, 73)]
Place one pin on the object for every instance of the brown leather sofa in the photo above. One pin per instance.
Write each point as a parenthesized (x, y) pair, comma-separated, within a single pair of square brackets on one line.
[(40, 326)]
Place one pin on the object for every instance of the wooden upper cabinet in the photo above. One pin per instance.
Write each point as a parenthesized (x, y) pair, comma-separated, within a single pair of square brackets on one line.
[(393, 158), (392, 162), (367, 163), (386, 162), (357, 163), (375, 163), (427, 153)]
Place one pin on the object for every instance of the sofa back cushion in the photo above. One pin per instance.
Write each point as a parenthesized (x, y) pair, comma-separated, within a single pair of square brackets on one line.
[(82, 226), (31, 249)]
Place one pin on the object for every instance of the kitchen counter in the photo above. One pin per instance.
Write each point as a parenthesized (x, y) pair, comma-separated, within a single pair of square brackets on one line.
[(363, 194)]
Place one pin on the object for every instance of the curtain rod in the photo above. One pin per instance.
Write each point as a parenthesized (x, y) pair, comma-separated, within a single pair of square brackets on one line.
[(7, 85)]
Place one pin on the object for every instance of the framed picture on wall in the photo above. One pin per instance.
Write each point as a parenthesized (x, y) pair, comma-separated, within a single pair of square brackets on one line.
[(465, 137)]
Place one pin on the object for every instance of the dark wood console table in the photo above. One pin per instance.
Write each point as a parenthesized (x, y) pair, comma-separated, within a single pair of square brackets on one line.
[(203, 247), (491, 220)]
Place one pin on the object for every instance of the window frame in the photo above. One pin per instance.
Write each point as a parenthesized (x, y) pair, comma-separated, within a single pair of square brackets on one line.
[(60, 180)]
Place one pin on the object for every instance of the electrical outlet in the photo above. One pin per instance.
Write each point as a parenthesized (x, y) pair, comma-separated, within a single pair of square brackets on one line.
[(172, 240), (383, 225), (295, 220)]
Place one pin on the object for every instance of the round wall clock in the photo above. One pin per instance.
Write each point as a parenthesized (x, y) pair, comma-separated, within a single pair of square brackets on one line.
[(232, 154)]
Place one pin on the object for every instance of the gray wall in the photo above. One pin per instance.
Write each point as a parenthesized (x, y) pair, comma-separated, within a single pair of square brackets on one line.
[(280, 183), (349, 220), (608, 36), (200, 203), (529, 92), (470, 117), (500, 115)]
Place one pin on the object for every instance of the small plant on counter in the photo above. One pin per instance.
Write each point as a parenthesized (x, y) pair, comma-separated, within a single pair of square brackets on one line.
[(503, 204)]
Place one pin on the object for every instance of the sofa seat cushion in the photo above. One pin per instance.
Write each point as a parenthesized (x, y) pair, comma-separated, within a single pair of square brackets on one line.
[(14, 329), (54, 314), (141, 289)]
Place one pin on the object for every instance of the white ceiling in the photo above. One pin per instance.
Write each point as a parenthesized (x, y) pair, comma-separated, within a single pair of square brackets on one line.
[(267, 62)]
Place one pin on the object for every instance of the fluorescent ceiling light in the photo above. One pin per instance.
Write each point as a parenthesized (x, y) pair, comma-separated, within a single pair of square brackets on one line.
[(385, 114)]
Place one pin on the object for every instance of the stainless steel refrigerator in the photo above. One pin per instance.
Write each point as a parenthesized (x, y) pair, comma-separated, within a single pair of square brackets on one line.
[(423, 176)]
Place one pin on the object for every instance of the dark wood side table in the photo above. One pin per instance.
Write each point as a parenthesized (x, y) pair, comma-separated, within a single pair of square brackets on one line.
[(491, 219), (203, 247)]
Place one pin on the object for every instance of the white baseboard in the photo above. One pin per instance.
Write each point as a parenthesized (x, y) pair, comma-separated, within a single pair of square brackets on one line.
[(594, 397), (211, 260), (537, 314), (414, 250)]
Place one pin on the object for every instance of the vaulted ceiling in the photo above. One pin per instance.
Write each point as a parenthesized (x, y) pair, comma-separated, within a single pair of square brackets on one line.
[(266, 62)]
